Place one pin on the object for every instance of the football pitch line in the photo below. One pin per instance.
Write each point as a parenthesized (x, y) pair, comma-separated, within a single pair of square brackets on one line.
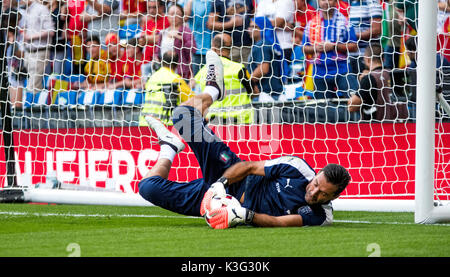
[(93, 215), (12, 214), (388, 222)]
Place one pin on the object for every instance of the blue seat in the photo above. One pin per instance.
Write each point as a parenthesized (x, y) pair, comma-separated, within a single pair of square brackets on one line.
[(39, 98), (108, 97), (133, 97), (88, 97)]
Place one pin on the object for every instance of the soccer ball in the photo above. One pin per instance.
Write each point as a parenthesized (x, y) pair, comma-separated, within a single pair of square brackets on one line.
[(219, 202), (216, 203)]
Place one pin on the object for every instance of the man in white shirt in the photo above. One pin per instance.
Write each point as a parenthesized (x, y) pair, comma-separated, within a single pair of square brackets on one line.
[(103, 17), (37, 36), (281, 14), (365, 17)]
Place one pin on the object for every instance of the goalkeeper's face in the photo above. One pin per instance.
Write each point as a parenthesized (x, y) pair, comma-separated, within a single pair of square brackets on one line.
[(319, 190)]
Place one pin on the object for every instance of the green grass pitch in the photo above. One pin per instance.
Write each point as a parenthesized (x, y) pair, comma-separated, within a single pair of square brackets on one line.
[(28, 230)]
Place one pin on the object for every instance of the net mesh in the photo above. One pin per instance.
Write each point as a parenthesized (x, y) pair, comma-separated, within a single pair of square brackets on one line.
[(80, 78)]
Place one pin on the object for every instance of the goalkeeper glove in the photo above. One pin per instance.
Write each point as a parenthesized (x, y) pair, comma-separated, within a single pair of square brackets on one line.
[(216, 189), (229, 216)]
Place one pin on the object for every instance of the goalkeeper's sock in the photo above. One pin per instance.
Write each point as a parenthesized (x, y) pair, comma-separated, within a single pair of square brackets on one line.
[(167, 152), (212, 91)]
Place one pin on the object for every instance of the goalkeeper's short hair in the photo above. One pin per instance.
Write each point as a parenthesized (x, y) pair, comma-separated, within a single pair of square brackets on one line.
[(338, 176)]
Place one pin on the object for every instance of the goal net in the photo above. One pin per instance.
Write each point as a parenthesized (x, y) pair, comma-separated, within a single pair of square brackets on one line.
[(77, 79)]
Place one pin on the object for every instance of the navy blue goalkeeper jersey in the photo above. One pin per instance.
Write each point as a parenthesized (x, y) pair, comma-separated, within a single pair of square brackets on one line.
[(282, 191)]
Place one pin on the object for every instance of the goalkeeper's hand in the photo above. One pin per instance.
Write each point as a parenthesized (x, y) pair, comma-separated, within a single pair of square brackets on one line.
[(229, 216), (216, 189)]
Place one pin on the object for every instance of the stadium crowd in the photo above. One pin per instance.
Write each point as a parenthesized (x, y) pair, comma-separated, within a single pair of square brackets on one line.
[(274, 50)]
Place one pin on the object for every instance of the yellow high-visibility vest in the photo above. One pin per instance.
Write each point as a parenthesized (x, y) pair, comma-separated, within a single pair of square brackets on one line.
[(164, 91), (237, 104)]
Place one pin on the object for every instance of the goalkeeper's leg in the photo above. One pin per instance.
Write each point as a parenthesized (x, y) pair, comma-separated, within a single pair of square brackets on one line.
[(215, 86), (183, 198), (178, 197), (213, 156), (170, 146)]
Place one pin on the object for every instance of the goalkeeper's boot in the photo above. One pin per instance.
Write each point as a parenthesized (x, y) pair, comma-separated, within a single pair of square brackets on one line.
[(214, 74), (164, 135)]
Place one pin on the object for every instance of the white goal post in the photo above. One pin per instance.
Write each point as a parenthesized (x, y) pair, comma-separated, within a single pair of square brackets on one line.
[(425, 210)]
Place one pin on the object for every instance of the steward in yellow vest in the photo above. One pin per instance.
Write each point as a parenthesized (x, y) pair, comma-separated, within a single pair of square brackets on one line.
[(164, 91), (236, 107)]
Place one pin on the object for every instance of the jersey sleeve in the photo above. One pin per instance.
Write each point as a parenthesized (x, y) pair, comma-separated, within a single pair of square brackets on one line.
[(316, 215), (288, 167)]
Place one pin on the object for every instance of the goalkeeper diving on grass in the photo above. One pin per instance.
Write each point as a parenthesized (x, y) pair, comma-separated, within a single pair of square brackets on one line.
[(282, 192)]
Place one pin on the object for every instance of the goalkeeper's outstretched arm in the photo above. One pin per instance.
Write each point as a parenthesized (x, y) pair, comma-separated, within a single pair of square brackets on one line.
[(233, 174), (240, 170), (234, 215), (264, 220)]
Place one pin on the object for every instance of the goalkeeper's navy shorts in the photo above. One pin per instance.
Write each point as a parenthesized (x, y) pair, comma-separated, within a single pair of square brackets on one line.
[(213, 156)]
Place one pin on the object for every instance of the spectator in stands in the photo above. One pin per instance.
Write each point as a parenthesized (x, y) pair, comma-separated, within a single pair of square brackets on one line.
[(342, 6), (281, 14), (7, 6), (411, 51), (154, 22), (443, 31), (232, 17), (96, 69), (165, 90), (37, 35), (236, 106), (132, 10), (76, 33), (365, 17), (59, 42), (177, 37), (408, 12), (304, 12), (329, 37), (373, 100), (93, 17), (264, 63), (132, 67), (102, 17), (116, 60), (443, 14), (411, 69), (17, 73), (392, 34), (196, 11)]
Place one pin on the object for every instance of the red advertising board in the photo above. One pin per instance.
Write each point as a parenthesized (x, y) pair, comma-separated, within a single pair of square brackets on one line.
[(380, 157)]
